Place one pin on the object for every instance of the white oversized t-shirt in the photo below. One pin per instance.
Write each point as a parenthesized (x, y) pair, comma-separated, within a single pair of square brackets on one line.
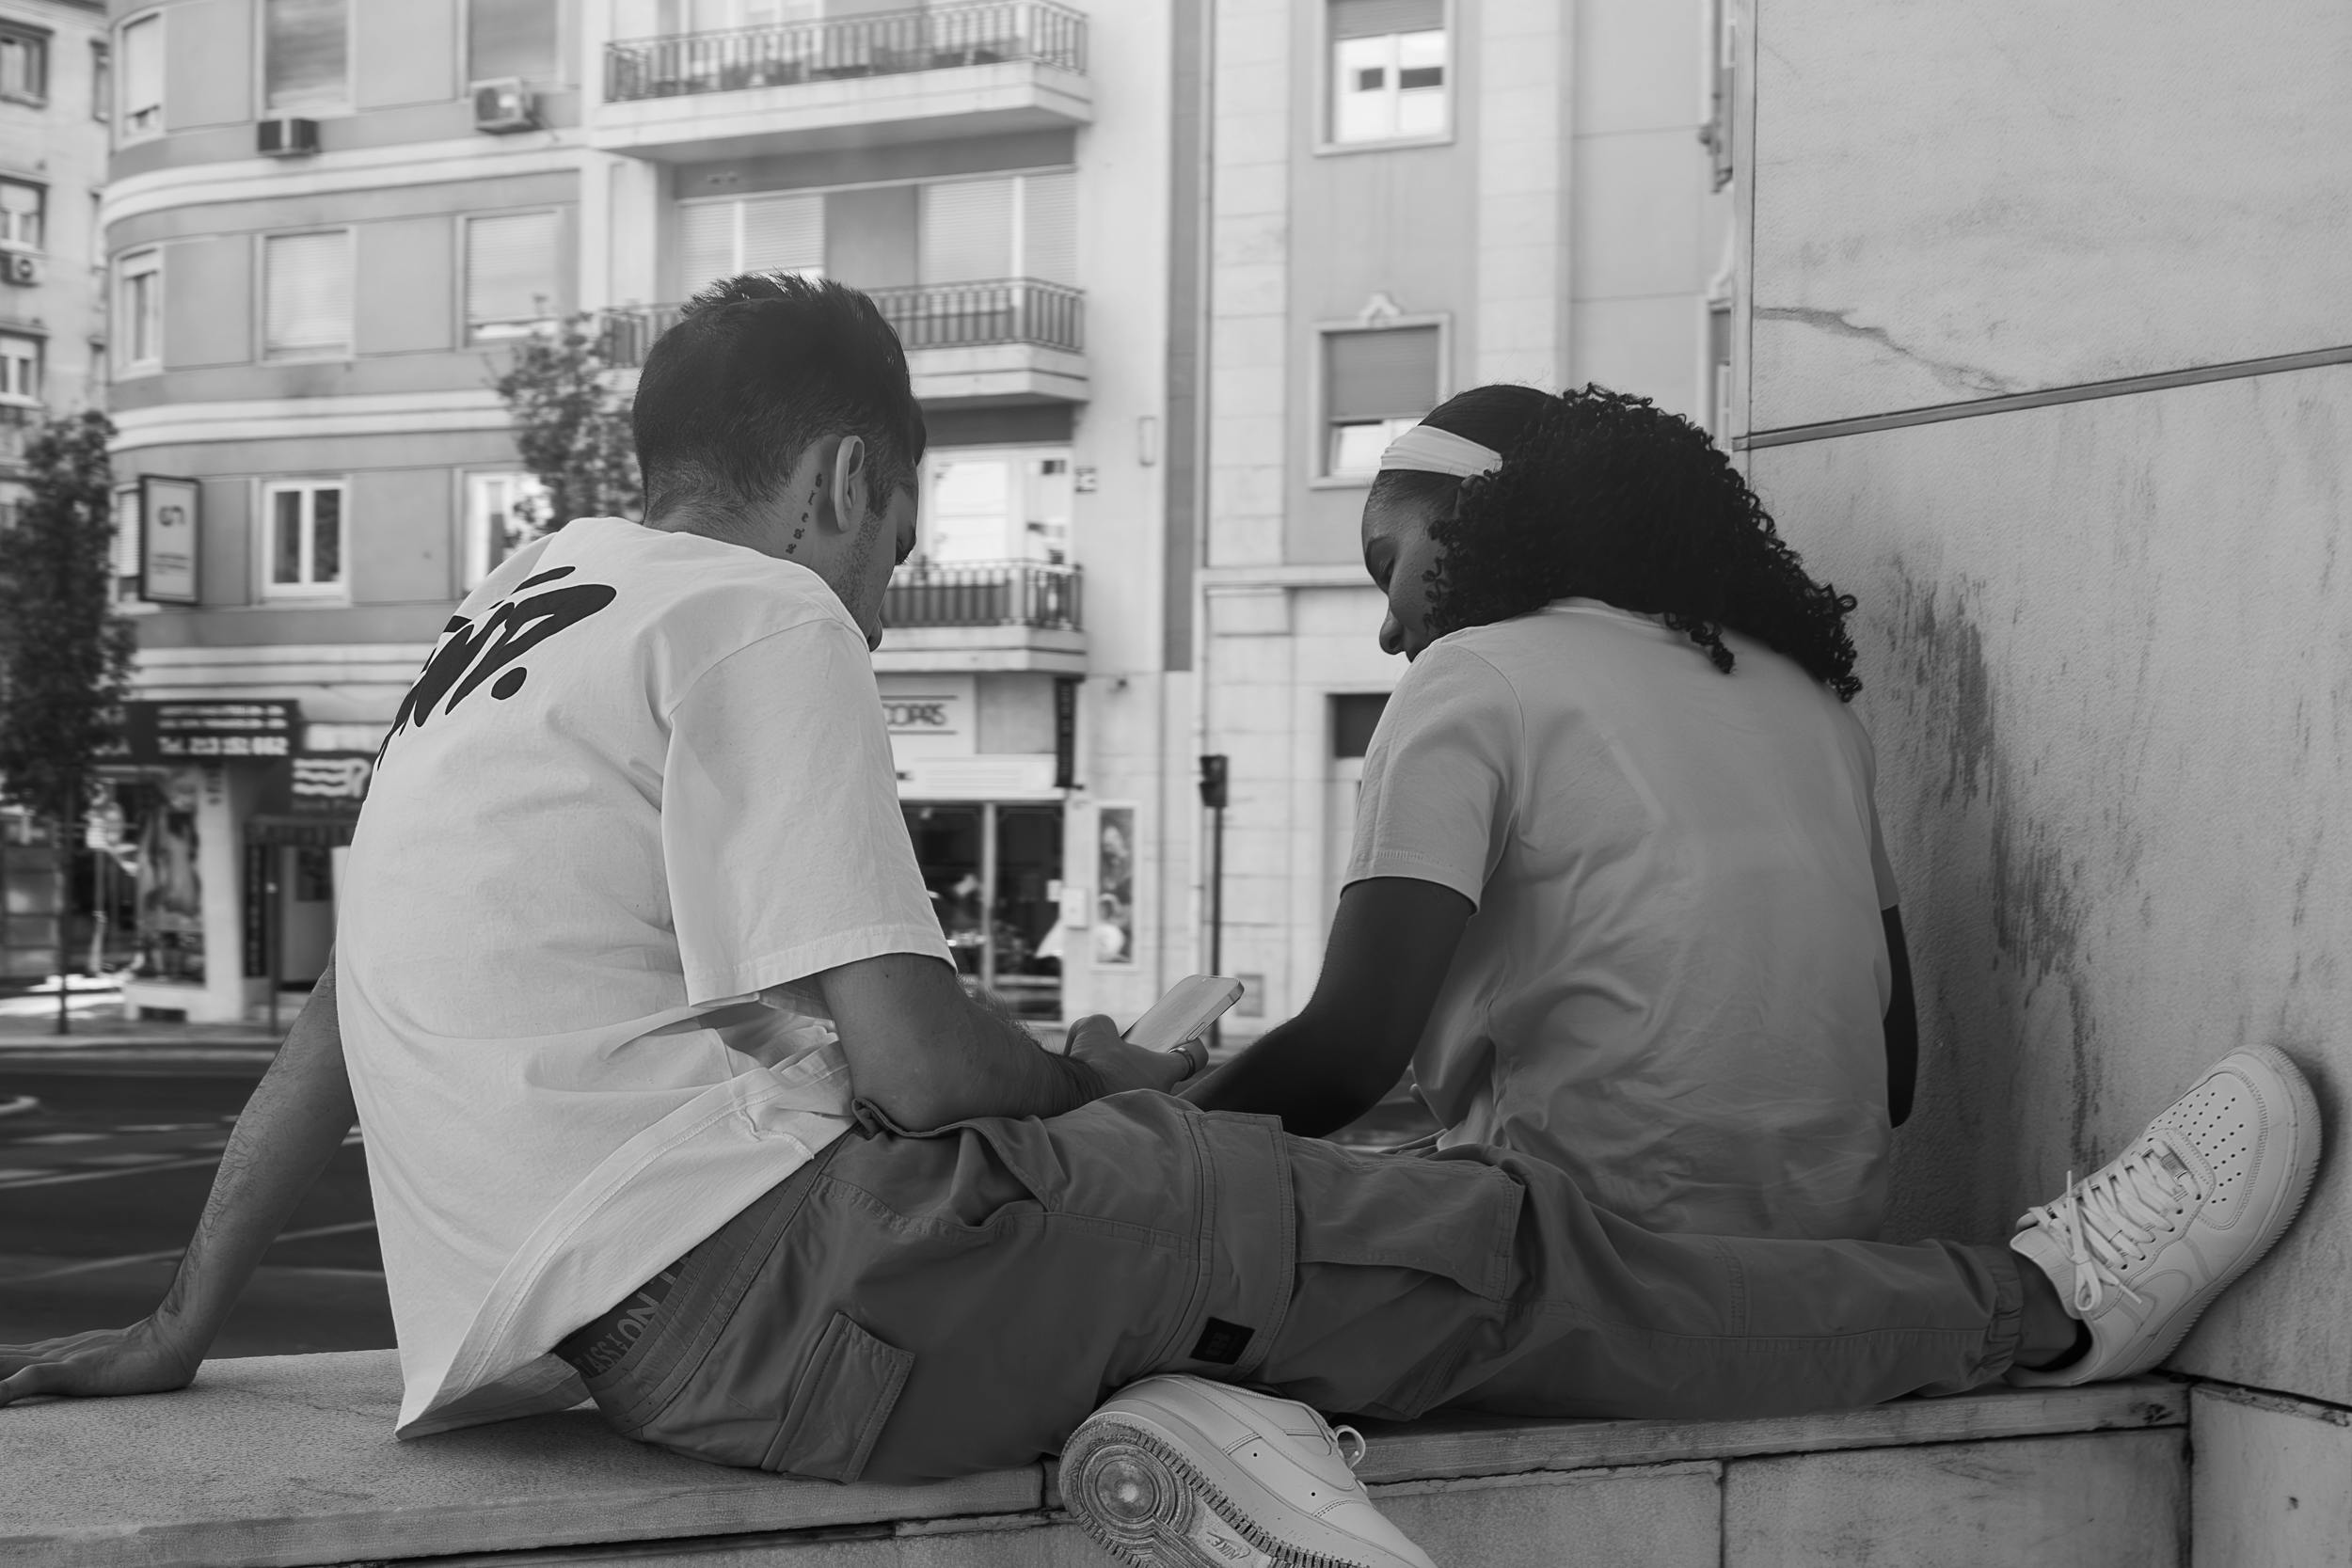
[(1674, 983), (642, 786)]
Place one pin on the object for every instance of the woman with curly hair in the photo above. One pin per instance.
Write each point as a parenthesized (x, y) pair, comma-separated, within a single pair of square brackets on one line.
[(1617, 892)]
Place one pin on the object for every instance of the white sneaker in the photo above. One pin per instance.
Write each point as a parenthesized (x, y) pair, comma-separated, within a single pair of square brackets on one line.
[(2142, 1247), (1179, 1472)]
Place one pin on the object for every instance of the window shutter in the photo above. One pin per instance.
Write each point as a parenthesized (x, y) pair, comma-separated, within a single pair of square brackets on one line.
[(1381, 375), (705, 244), (784, 233), (1049, 223), (1364, 19), (967, 234), (306, 55), (143, 64), (308, 286), (510, 268), (511, 37)]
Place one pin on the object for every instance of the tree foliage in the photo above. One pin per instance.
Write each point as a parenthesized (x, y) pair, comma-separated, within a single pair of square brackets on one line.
[(571, 424), (65, 655)]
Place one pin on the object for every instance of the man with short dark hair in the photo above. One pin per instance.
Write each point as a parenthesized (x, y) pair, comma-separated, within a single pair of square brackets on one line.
[(671, 1098)]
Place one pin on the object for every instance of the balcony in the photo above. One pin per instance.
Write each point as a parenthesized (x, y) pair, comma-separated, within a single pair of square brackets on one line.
[(973, 68), (1009, 340), (983, 615)]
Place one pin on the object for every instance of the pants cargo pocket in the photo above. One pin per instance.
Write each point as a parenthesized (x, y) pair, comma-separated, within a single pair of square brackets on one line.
[(839, 1404)]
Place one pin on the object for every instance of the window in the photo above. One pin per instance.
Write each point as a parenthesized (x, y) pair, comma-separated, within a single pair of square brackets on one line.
[(995, 503), (125, 553), (20, 369), (510, 274), (1719, 371), (503, 513), (143, 78), (21, 206), (983, 230), (1376, 385), (306, 56), (1387, 70), (138, 329), (303, 551), (1353, 716), (756, 233), (306, 286), (511, 37), (23, 65), (101, 83)]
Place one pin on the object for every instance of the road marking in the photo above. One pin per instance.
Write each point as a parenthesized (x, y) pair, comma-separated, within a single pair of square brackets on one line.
[(8, 1185), (97, 1264), (17, 1104)]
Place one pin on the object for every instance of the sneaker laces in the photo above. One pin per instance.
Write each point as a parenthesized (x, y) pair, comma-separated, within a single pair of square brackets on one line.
[(2107, 1223)]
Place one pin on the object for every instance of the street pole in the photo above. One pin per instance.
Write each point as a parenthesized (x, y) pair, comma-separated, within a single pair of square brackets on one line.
[(1213, 770)]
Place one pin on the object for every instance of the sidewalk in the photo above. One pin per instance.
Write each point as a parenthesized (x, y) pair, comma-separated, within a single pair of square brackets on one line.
[(101, 1037)]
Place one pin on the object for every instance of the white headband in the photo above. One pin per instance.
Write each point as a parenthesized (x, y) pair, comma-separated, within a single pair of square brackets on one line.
[(1426, 450)]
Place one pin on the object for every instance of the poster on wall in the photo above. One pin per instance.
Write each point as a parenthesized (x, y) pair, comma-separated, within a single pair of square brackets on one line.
[(1115, 885), (167, 521)]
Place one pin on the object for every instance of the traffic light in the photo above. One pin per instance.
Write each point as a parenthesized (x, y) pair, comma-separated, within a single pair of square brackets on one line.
[(1212, 782)]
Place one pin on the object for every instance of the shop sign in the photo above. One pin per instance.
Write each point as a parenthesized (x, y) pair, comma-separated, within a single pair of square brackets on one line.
[(1066, 732), (930, 716), (329, 784), (164, 732), (167, 529)]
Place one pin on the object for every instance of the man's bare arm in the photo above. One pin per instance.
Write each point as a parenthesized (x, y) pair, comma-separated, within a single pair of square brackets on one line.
[(290, 1127), (925, 1053)]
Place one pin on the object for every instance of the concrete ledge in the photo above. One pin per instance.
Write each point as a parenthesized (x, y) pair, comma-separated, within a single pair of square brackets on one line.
[(290, 1461)]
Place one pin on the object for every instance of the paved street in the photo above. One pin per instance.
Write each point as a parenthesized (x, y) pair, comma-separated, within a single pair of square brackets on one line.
[(104, 1168)]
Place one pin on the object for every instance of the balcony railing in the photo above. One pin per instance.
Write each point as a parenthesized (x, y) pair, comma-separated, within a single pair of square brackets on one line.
[(930, 315), (890, 43), (984, 594)]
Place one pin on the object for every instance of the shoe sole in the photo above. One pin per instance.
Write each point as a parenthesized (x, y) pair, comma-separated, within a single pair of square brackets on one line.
[(1148, 1505), (2307, 1126)]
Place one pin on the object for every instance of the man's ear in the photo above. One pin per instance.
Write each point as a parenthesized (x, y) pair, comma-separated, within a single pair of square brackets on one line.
[(852, 492)]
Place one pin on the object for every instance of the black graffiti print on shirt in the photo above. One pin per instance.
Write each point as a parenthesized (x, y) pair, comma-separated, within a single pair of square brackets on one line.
[(471, 655)]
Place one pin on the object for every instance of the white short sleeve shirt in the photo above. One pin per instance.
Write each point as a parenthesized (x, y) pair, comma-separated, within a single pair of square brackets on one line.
[(1674, 983), (642, 787)]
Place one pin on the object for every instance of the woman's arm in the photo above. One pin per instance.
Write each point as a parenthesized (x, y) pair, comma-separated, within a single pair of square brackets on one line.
[(287, 1130), (1903, 1025), (1392, 940)]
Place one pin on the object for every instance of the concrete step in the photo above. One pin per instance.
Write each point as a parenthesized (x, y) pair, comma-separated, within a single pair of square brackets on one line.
[(287, 1462)]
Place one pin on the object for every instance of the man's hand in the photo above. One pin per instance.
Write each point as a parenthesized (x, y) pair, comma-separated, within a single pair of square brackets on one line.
[(1096, 1042), (143, 1358)]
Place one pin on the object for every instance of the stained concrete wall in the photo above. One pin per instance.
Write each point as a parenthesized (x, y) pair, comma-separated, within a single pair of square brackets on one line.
[(2108, 652)]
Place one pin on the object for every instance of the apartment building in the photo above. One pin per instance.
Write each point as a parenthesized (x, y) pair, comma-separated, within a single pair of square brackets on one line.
[(55, 80), (328, 221), (1412, 198)]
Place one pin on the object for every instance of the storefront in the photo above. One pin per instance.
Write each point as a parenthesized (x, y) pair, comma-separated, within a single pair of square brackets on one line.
[(982, 775), (229, 839)]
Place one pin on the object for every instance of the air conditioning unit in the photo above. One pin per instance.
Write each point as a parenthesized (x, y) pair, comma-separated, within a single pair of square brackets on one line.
[(287, 136), (20, 268), (503, 104)]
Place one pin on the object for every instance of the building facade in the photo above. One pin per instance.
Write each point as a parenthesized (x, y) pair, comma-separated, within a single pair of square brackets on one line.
[(55, 81), (1410, 197), (328, 221)]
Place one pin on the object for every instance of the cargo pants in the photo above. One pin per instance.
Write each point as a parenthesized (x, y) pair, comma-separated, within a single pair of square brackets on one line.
[(913, 1308)]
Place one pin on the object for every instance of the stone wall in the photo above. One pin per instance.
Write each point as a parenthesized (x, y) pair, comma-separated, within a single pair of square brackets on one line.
[(2044, 335)]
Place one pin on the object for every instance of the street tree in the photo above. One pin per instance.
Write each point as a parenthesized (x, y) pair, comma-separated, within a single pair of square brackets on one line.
[(65, 654), (571, 422)]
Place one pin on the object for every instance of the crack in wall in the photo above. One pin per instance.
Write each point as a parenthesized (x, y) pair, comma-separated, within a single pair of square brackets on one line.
[(1838, 323)]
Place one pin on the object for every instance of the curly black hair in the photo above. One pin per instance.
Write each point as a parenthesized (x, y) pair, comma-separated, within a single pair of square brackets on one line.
[(1608, 497)]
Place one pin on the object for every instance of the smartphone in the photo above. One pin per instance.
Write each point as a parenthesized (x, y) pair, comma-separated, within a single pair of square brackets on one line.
[(1186, 1012)]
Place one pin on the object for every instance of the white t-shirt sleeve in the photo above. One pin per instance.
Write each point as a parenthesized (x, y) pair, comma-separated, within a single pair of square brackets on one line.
[(1442, 776), (780, 833)]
